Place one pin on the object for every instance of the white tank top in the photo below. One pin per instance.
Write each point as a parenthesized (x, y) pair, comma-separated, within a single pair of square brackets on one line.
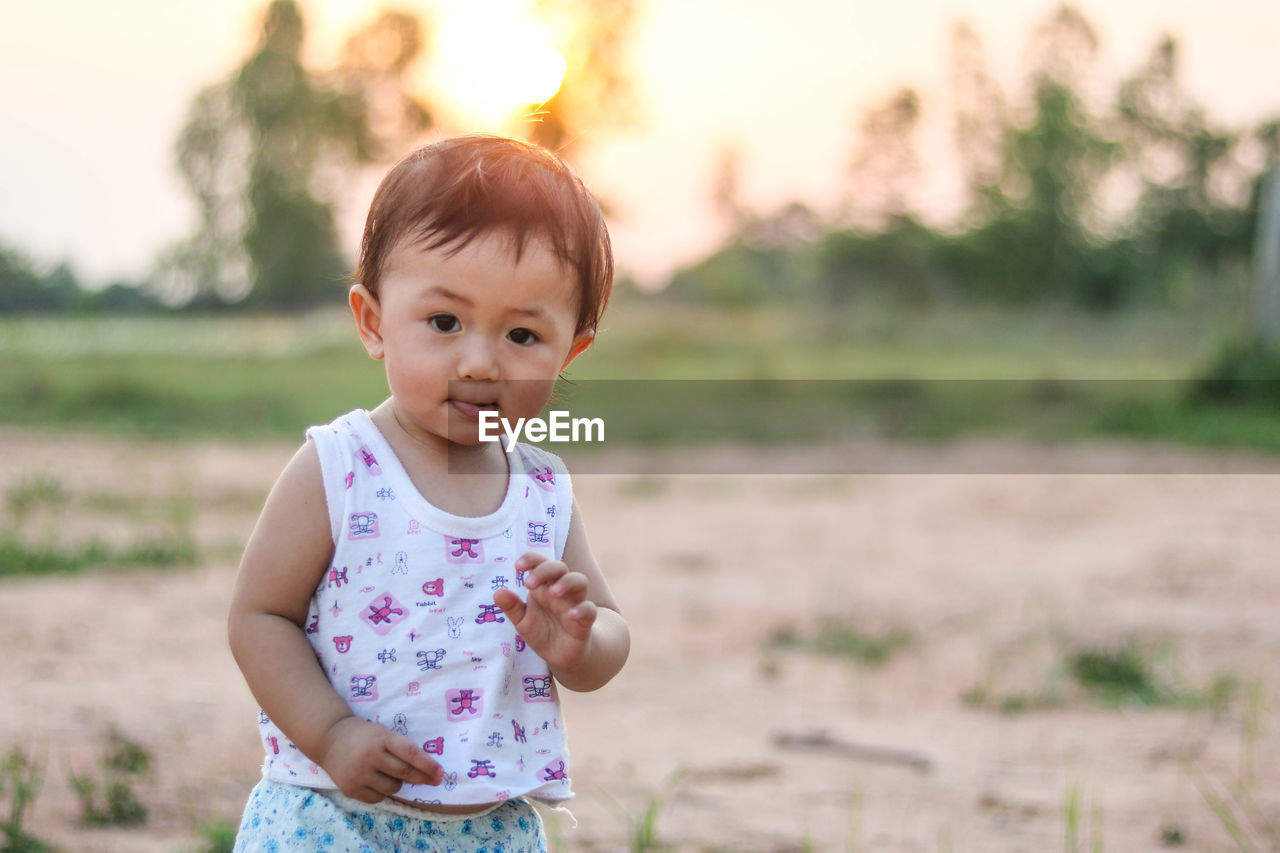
[(405, 626)]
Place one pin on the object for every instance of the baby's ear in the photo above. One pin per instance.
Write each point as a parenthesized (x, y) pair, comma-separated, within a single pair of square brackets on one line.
[(367, 312), (583, 340)]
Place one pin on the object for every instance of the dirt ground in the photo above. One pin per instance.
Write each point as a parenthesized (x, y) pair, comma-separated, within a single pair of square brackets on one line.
[(729, 740)]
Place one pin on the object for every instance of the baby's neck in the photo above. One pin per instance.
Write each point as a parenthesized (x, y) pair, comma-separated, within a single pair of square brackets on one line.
[(466, 480)]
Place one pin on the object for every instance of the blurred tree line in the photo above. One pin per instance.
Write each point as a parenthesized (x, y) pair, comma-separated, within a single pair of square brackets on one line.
[(1073, 195), (1074, 192), (269, 152), (27, 288)]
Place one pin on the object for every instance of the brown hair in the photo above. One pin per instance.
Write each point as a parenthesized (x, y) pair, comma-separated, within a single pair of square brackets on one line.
[(450, 192)]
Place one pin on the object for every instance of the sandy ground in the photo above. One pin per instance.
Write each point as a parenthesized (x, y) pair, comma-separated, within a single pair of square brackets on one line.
[(740, 745)]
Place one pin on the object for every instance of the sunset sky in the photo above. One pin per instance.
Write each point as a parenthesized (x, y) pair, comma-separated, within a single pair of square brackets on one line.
[(92, 96)]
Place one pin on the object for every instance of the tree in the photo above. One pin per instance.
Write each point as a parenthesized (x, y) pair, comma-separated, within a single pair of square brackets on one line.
[(885, 164), (979, 120), (1184, 220), (1079, 193), (726, 189), (26, 290), (1041, 215), (265, 153)]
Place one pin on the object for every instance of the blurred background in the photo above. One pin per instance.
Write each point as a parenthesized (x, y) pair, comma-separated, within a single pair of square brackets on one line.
[(1044, 191), (920, 237)]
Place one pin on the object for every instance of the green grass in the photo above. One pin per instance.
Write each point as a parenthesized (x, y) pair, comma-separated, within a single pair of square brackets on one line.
[(30, 494), (219, 837), (921, 375), (1117, 676), (840, 639), (110, 800), (876, 341), (1243, 810), (642, 830), (31, 541), (20, 779), (1129, 675), (1132, 675), (21, 558), (184, 396)]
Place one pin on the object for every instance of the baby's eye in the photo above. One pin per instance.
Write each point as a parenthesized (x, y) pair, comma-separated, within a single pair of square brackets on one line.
[(522, 337), (444, 323)]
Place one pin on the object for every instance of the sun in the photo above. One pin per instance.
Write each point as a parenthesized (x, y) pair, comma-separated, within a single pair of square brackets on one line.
[(493, 60)]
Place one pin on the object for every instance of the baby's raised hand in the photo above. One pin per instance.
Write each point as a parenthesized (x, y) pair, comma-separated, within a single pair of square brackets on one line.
[(556, 619), (369, 762)]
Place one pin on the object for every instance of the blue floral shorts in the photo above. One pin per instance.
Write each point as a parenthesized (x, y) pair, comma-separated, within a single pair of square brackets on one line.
[(282, 818)]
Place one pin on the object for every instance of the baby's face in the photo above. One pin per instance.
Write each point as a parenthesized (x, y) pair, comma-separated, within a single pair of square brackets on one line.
[(473, 330)]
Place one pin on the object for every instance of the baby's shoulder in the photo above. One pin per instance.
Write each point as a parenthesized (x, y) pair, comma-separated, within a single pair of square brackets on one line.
[(532, 456), (302, 472), (544, 467), (295, 510)]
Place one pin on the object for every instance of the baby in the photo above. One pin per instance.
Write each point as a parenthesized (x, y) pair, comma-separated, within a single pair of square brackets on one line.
[(412, 596)]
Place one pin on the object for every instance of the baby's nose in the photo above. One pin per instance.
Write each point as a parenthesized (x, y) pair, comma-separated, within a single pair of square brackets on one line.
[(478, 359)]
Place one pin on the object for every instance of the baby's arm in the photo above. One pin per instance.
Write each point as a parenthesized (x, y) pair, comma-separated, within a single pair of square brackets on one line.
[(570, 619), (287, 554)]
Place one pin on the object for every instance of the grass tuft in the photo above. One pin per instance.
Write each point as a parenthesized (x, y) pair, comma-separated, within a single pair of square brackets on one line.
[(1120, 676), (111, 800), (840, 639), (28, 494), (642, 830), (20, 780), (1127, 675), (219, 837), (20, 558)]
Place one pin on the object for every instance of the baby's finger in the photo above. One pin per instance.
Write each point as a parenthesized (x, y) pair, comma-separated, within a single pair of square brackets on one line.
[(572, 587), (414, 764), (405, 772), (583, 616), (547, 572), (370, 793), (384, 784), (510, 604), (530, 560)]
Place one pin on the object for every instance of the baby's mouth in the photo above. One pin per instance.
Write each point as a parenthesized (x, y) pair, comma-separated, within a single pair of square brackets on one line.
[(471, 409)]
